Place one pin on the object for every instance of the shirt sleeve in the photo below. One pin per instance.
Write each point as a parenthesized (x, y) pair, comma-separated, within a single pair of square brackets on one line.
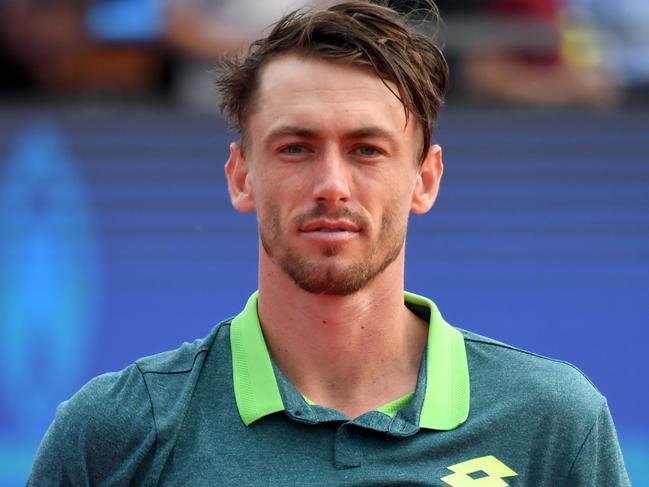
[(100, 436), (599, 461)]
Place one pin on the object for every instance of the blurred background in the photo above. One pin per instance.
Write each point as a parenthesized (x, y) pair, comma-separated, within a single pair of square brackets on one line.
[(117, 239)]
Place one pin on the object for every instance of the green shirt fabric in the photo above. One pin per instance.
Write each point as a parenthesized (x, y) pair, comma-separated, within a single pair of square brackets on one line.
[(218, 411)]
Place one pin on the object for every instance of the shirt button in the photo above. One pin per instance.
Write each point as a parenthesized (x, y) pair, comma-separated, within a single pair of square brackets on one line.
[(348, 451)]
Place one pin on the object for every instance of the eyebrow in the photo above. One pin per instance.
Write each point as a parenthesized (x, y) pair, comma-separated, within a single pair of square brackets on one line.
[(372, 131), (296, 130), (283, 130)]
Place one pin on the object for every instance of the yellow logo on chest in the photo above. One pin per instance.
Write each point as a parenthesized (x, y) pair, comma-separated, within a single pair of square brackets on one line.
[(485, 471)]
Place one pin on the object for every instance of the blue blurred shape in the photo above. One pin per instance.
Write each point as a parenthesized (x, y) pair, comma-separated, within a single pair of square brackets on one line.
[(126, 20), (48, 279), (635, 447)]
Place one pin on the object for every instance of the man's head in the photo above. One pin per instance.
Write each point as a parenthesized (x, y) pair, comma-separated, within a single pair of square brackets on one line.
[(360, 33), (334, 160)]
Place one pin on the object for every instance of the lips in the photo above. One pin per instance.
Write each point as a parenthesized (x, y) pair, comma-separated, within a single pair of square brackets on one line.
[(329, 226)]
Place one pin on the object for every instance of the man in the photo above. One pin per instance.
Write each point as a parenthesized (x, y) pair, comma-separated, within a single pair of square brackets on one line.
[(331, 375)]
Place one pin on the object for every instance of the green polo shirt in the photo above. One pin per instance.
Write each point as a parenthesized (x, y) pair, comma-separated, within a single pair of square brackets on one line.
[(440, 401), (218, 411)]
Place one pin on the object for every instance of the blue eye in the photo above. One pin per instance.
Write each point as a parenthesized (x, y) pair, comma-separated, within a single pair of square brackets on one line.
[(367, 151), (293, 149)]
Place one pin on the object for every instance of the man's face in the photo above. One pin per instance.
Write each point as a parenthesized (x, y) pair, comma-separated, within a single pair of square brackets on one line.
[(332, 170)]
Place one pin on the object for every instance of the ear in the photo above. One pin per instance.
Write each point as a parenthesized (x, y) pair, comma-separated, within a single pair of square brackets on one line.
[(238, 177), (429, 176)]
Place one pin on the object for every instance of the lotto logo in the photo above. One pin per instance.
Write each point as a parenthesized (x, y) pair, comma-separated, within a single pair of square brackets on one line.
[(485, 471)]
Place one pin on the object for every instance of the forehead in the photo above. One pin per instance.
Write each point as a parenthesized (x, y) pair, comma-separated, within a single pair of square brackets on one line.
[(297, 90)]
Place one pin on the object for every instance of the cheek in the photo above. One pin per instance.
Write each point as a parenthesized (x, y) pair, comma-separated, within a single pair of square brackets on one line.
[(395, 215), (396, 210), (277, 184), (269, 223), (395, 194)]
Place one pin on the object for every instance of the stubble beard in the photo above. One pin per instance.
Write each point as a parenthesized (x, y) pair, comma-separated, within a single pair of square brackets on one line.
[(318, 276)]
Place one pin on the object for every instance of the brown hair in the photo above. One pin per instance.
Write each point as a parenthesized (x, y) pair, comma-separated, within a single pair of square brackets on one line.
[(357, 32)]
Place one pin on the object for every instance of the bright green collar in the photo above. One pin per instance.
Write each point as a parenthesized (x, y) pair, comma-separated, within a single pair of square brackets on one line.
[(446, 398)]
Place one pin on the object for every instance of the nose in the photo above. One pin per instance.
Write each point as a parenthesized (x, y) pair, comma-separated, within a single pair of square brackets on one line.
[(331, 176)]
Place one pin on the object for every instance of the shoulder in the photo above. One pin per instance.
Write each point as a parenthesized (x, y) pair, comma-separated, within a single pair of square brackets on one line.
[(184, 358), (115, 420), (106, 406), (117, 396), (104, 428), (171, 377), (548, 405), (545, 385)]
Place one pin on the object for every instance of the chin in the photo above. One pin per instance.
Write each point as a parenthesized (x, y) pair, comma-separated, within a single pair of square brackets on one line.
[(328, 279)]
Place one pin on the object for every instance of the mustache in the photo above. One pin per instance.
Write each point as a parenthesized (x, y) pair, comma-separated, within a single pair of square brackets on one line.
[(326, 212)]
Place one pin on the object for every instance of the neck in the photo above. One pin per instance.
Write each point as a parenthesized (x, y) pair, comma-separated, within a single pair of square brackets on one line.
[(353, 353)]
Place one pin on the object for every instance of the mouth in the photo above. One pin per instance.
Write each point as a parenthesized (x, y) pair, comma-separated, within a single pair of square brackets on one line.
[(330, 230), (329, 226)]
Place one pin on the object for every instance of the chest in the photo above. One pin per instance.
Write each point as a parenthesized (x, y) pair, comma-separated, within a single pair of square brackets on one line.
[(279, 451)]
